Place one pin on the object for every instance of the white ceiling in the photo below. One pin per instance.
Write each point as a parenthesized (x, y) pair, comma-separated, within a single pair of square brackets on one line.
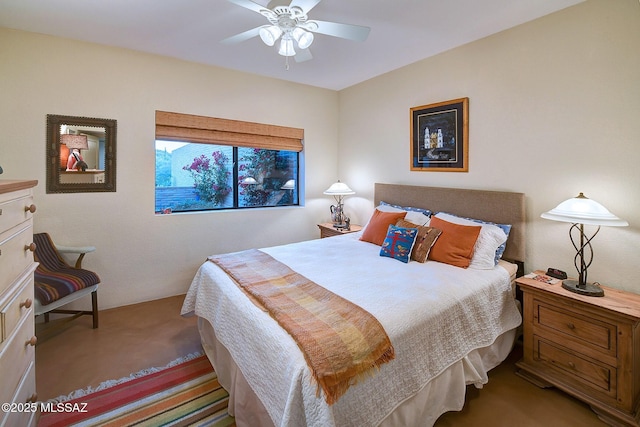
[(402, 31)]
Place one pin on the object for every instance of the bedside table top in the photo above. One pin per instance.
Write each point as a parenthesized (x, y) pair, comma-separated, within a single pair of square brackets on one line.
[(329, 225), (613, 299)]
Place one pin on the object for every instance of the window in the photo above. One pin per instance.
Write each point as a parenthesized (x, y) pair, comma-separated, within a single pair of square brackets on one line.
[(204, 163)]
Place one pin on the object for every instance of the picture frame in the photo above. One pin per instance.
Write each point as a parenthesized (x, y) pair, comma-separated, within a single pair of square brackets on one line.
[(440, 136)]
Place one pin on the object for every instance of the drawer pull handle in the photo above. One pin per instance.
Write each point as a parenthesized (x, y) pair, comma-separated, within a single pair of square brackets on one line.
[(31, 247), (31, 208), (572, 365), (571, 326), (32, 341), (27, 303), (33, 398)]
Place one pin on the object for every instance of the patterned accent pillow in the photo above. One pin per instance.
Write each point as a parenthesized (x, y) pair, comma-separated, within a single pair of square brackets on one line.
[(425, 240), (399, 243)]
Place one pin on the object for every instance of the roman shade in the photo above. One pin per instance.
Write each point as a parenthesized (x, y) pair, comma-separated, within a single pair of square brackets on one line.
[(210, 130)]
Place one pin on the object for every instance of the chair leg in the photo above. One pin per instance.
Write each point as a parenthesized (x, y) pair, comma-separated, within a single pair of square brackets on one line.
[(94, 306)]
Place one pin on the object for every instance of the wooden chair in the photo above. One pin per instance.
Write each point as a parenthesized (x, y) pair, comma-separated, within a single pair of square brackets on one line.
[(57, 283)]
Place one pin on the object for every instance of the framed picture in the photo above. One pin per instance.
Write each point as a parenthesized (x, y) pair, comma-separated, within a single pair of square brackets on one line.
[(440, 136)]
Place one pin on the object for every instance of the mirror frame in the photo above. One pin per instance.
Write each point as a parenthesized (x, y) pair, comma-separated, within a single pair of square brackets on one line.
[(54, 185)]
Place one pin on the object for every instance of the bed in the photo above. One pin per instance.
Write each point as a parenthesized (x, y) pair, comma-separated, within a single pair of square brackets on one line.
[(448, 325)]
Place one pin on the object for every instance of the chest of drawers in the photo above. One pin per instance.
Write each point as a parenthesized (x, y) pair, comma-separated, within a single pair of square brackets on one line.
[(17, 339), (586, 346)]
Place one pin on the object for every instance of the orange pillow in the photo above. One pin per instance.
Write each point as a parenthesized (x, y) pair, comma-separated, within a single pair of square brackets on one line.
[(376, 229), (455, 244)]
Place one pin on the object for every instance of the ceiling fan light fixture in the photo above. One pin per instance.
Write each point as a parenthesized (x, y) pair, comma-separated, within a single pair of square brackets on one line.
[(270, 34), (302, 37), (286, 47)]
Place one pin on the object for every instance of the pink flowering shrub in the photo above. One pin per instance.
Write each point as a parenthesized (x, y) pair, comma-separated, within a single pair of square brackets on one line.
[(210, 177)]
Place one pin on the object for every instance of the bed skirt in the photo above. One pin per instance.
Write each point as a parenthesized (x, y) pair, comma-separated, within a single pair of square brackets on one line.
[(446, 392)]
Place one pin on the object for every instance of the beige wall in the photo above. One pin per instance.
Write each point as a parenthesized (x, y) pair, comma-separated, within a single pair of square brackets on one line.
[(554, 110), (141, 256)]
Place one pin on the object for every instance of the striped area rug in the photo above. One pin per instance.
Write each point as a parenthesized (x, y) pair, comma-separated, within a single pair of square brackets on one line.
[(184, 394)]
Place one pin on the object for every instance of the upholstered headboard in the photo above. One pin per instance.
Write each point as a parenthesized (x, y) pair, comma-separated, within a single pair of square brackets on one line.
[(496, 206)]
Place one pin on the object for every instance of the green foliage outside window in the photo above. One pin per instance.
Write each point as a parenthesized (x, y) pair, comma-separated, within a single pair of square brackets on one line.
[(256, 164)]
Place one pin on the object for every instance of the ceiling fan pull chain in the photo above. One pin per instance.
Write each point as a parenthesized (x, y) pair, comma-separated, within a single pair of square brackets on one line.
[(286, 63)]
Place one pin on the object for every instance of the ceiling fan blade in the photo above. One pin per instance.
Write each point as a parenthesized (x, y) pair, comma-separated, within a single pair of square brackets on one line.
[(305, 5), (243, 36), (248, 4), (345, 31), (303, 55)]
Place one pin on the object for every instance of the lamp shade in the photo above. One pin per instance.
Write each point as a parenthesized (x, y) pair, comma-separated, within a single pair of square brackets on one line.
[(286, 46), (270, 34), (74, 141), (302, 37), (339, 189), (289, 185), (249, 180), (582, 210)]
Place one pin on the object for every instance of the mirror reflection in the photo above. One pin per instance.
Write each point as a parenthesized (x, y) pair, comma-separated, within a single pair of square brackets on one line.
[(81, 154)]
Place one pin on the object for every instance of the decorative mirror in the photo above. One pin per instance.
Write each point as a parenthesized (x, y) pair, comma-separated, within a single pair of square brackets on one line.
[(81, 154)]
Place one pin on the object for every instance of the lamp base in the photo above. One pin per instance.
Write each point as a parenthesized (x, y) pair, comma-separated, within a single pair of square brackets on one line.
[(340, 226), (588, 289)]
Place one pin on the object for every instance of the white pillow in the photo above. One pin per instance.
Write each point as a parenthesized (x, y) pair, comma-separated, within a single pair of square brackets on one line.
[(484, 251), (417, 218)]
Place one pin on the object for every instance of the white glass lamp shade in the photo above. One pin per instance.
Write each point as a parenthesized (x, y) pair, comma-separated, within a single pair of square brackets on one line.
[(339, 189), (582, 210), (286, 47), (289, 185), (302, 37), (249, 180), (270, 34)]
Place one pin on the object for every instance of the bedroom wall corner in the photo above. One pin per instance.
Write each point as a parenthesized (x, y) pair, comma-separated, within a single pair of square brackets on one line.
[(552, 112), (141, 256)]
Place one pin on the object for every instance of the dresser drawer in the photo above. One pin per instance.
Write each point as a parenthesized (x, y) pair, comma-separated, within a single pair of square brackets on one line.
[(575, 330), (15, 208), (576, 369), (15, 358), (26, 393), (15, 257), (16, 305)]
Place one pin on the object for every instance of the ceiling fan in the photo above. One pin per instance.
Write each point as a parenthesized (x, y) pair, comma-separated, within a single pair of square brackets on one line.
[(291, 25)]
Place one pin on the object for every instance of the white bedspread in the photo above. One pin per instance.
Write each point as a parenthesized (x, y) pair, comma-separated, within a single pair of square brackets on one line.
[(435, 314)]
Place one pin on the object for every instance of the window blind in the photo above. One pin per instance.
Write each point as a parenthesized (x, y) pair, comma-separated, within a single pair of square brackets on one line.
[(210, 130)]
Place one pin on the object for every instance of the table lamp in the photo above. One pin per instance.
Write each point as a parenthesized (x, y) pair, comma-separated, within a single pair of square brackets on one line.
[(579, 211), (338, 190)]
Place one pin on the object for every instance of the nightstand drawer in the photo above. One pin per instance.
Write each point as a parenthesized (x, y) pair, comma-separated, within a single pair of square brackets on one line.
[(576, 331), (576, 369)]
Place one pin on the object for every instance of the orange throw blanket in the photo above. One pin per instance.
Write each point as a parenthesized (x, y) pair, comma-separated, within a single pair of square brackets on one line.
[(341, 342)]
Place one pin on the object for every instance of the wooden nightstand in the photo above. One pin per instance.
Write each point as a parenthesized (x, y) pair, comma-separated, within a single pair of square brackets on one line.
[(327, 230), (588, 347)]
